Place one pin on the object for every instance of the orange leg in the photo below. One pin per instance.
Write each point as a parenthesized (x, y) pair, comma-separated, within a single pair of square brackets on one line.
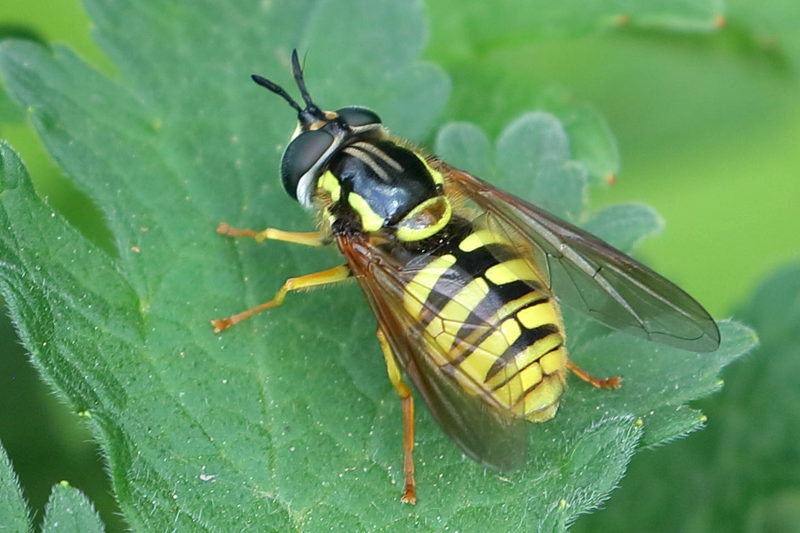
[(326, 277), (313, 238), (407, 403), (607, 383)]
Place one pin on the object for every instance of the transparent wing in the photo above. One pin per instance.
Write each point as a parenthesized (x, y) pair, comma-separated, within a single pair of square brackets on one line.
[(490, 435), (588, 274)]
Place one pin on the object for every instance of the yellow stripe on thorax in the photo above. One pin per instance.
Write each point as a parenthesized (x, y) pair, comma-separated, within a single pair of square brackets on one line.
[(425, 220), (435, 174), (328, 183), (370, 220)]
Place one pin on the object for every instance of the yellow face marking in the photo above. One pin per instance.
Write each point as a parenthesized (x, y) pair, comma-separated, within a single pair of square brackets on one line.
[(328, 182), (535, 316), (370, 220), (479, 239), (420, 286), (425, 220), (509, 271)]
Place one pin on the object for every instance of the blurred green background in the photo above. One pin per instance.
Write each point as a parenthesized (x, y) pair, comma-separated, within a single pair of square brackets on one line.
[(708, 126)]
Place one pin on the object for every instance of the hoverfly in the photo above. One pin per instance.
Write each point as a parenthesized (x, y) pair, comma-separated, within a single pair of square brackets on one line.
[(465, 280)]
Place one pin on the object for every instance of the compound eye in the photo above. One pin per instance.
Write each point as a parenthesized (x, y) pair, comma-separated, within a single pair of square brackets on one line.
[(301, 155), (358, 116)]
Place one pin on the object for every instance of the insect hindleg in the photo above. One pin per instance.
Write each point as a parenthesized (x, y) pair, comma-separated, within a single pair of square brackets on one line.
[(312, 238), (407, 403), (326, 277), (601, 383)]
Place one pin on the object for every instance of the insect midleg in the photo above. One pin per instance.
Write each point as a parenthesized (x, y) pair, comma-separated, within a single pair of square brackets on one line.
[(311, 238), (325, 277), (600, 383), (407, 404)]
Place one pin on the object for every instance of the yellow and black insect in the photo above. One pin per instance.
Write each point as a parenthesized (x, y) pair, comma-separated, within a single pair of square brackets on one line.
[(465, 280)]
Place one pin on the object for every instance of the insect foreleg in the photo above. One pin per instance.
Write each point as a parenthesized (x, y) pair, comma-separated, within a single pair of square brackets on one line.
[(326, 277), (312, 238)]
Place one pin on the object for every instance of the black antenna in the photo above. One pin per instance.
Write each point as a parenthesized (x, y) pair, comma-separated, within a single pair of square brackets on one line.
[(311, 113), (277, 89), (301, 83)]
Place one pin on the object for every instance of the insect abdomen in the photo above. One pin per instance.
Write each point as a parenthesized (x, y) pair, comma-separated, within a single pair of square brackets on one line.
[(500, 332)]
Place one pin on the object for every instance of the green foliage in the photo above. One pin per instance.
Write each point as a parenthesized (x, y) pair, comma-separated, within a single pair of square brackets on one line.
[(68, 510), (536, 146), (481, 24), (702, 116), (9, 112), (286, 421), (493, 29), (772, 26), (743, 472), (13, 511)]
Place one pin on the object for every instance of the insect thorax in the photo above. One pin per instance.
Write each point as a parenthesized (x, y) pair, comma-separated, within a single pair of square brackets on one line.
[(380, 186)]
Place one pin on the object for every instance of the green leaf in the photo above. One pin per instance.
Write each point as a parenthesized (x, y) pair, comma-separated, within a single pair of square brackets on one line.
[(9, 111), (624, 225), (465, 146), (533, 156), (743, 472), (287, 421), (491, 50), (590, 137), (69, 510), (532, 161), (772, 26), (335, 449), (664, 378), (504, 22), (13, 510)]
